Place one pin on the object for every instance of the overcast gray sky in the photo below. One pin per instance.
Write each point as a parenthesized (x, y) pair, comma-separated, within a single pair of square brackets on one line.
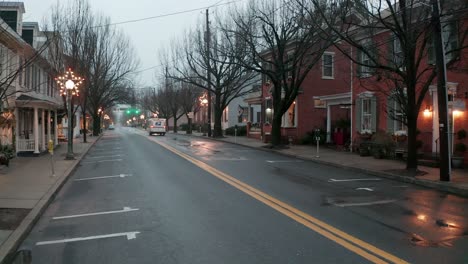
[(146, 36)]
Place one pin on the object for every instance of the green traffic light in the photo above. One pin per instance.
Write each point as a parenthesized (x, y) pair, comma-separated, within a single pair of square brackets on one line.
[(137, 111), (128, 111)]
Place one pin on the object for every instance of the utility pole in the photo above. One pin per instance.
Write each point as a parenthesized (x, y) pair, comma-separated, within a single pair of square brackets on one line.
[(445, 168), (208, 70)]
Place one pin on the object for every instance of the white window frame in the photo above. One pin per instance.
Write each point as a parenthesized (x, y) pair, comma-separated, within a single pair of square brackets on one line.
[(332, 66), (399, 127)]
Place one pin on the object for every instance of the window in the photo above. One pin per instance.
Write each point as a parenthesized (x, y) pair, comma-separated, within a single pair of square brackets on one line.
[(450, 38), (366, 118), (289, 118), (399, 118), (289, 64), (268, 110), (327, 65), (267, 66), (365, 67), (397, 53)]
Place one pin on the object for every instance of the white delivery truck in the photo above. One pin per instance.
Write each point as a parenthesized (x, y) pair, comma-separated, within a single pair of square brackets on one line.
[(156, 126)]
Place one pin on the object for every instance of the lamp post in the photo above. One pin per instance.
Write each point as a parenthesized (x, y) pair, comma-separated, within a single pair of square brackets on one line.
[(69, 83)]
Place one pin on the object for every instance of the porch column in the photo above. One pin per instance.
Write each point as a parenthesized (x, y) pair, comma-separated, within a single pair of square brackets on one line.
[(36, 131), (328, 123), (49, 136), (435, 122), (55, 128), (43, 130)]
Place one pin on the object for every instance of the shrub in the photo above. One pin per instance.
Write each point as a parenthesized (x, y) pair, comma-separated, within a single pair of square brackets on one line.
[(382, 145), (461, 134), (185, 126), (241, 131), (460, 148)]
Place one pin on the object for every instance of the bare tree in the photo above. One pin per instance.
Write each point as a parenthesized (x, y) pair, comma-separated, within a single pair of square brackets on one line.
[(281, 46), (213, 67), (189, 101), (391, 41), (98, 52)]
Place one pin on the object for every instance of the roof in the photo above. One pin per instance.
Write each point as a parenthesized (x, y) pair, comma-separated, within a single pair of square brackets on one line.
[(12, 5)]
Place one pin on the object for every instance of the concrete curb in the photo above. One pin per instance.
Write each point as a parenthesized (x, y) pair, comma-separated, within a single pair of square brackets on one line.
[(441, 186), (9, 247)]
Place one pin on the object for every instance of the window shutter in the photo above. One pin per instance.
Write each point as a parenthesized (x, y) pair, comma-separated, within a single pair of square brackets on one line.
[(430, 50), (390, 50), (358, 110), (374, 55), (359, 67), (390, 114), (374, 114)]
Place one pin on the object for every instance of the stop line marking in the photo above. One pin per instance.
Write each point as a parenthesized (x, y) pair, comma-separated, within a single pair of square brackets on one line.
[(129, 235), (104, 177), (106, 156), (125, 210)]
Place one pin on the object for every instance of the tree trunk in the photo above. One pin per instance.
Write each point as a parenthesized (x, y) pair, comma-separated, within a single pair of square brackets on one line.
[(189, 130), (276, 130), (175, 123), (96, 125), (218, 113), (412, 161)]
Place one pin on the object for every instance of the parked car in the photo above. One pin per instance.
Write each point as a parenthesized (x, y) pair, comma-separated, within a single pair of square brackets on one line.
[(156, 126), (111, 127)]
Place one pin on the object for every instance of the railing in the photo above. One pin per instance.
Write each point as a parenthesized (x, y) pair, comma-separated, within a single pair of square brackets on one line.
[(25, 145)]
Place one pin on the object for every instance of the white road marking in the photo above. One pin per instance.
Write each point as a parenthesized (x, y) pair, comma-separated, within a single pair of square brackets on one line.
[(129, 235), (104, 177), (365, 189), (348, 180), (279, 161), (107, 156), (224, 159), (125, 210), (97, 161), (365, 203)]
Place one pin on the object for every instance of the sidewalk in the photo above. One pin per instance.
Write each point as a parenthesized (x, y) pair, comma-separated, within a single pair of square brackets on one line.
[(27, 187), (377, 167)]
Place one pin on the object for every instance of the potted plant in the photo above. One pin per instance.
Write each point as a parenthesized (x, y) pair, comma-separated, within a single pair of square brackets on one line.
[(6, 154)]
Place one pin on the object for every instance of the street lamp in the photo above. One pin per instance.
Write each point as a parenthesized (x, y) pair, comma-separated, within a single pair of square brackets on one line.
[(69, 83), (204, 103)]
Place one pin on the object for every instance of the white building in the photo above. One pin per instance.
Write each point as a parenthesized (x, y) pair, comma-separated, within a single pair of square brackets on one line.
[(32, 99)]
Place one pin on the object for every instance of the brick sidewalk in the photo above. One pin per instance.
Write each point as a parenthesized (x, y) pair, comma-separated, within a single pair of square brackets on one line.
[(28, 184)]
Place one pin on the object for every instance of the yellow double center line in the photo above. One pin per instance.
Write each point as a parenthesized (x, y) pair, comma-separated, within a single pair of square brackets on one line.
[(350, 242)]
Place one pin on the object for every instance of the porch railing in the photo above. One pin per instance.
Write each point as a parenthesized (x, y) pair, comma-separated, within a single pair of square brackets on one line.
[(25, 145)]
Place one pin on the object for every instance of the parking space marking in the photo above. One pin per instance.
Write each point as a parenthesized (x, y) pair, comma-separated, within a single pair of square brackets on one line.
[(365, 203), (107, 156), (124, 210), (348, 180), (97, 161), (129, 235), (365, 189), (104, 177), (282, 161)]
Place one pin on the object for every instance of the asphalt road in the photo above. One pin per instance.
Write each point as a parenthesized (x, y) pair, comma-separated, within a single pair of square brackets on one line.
[(178, 199)]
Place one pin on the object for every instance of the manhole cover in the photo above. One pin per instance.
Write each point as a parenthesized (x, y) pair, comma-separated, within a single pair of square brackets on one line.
[(10, 218)]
